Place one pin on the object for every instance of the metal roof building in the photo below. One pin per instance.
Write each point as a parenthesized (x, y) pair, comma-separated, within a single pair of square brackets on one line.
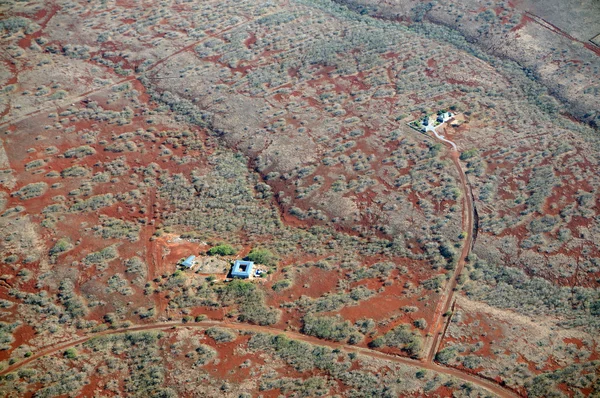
[(242, 269), (189, 262)]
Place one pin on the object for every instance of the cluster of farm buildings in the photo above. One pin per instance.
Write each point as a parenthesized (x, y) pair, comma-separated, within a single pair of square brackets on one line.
[(240, 268)]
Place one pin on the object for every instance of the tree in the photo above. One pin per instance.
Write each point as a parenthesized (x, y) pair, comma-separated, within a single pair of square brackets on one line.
[(261, 256), (222, 250), (71, 353)]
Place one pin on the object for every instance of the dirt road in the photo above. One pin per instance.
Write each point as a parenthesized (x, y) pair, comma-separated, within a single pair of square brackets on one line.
[(441, 137), (489, 385), (446, 300)]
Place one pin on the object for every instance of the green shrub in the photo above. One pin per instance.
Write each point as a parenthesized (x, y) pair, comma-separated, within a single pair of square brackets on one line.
[(401, 337), (365, 325), (434, 283), (31, 191), (93, 202), (420, 323), (74, 171), (446, 355), (466, 155), (281, 285), (70, 353), (221, 335), (204, 354), (250, 301), (105, 255), (330, 328), (35, 164), (261, 256), (79, 152), (222, 250)]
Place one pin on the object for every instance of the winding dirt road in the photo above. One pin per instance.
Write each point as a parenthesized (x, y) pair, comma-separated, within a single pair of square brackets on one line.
[(441, 137), (447, 299), (486, 384)]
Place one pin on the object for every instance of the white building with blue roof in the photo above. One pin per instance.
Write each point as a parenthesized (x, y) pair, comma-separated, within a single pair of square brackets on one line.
[(189, 262), (242, 269)]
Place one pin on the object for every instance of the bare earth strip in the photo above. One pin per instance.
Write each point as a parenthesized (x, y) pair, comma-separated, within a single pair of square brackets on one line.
[(479, 381), (446, 301)]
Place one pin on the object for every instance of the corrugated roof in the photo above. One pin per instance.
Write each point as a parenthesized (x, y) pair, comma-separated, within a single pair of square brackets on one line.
[(188, 262), (242, 268)]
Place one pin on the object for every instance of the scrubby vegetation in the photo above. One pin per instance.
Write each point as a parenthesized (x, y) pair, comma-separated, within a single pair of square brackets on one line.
[(402, 337), (62, 245), (250, 301), (331, 328), (361, 382), (112, 228), (511, 288), (222, 250), (221, 335), (120, 157), (261, 256), (31, 191)]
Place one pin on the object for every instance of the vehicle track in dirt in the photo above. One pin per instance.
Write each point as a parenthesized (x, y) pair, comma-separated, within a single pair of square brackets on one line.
[(440, 322), (484, 383)]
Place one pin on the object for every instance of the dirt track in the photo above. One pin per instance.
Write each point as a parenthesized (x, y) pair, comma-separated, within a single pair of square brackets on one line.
[(446, 301), (479, 381)]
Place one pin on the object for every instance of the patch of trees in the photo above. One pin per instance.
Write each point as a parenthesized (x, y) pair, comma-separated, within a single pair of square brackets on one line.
[(250, 302), (403, 337), (331, 328), (222, 250)]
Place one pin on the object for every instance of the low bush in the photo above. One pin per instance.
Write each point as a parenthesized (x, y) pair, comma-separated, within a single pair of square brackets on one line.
[(402, 337), (281, 285), (222, 250), (330, 328), (261, 256), (70, 353), (250, 301), (31, 191), (61, 246), (221, 335)]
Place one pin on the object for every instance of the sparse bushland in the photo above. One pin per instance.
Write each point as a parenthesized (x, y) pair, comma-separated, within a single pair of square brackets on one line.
[(334, 301), (311, 387), (250, 302), (402, 337), (511, 288), (112, 228), (282, 285), (6, 336), (580, 377), (101, 257), (331, 328), (146, 374), (372, 194), (362, 382), (221, 335)]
